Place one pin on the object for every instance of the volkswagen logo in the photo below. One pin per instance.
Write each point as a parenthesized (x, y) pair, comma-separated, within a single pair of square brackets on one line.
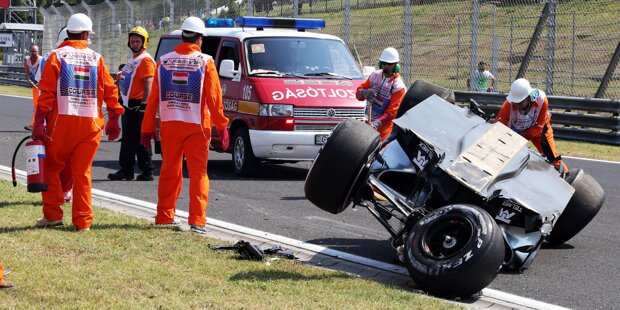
[(331, 112)]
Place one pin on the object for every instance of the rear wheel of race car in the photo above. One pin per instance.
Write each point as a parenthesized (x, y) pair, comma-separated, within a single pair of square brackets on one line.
[(455, 251), (244, 161), (419, 91), (341, 167), (581, 209)]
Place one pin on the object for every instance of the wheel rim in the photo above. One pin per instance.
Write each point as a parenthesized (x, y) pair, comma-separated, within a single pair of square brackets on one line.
[(239, 153), (447, 237)]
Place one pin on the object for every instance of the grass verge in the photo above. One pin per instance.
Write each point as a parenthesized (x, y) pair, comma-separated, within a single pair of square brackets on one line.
[(14, 90), (123, 262)]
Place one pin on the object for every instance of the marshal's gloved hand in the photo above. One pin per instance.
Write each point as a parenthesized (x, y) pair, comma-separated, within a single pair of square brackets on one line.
[(224, 138), (38, 129), (368, 94), (145, 139), (112, 129), (376, 123)]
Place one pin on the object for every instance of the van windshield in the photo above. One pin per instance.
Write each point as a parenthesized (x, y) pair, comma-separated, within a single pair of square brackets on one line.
[(301, 57)]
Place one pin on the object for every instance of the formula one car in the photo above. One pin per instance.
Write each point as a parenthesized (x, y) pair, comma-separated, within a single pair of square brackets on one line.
[(462, 197)]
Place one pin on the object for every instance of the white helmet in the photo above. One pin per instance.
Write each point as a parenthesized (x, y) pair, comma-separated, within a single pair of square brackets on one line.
[(194, 24), (389, 55), (62, 35), (79, 23), (519, 90)]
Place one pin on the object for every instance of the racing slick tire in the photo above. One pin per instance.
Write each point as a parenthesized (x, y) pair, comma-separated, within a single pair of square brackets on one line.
[(244, 161), (581, 209), (454, 251), (342, 166), (419, 91)]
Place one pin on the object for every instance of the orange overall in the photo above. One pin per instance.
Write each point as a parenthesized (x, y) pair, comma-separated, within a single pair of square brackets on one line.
[(66, 178), (390, 93), (534, 124), (74, 123), (188, 101)]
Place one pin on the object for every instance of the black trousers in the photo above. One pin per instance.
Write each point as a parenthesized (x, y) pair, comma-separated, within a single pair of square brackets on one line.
[(130, 144)]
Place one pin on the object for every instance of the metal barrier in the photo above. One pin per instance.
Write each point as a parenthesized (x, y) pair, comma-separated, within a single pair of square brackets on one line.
[(13, 75), (578, 119)]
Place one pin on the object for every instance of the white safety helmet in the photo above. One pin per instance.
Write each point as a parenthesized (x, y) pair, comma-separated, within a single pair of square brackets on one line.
[(389, 55), (62, 35), (519, 90), (79, 23), (194, 24)]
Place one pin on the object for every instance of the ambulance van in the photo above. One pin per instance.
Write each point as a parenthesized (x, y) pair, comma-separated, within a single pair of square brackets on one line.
[(284, 88)]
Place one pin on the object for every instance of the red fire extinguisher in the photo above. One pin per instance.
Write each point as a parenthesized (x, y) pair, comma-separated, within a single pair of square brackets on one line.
[(35, 157)]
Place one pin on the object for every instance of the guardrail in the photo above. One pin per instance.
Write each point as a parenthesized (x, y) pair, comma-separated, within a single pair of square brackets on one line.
[(13, 75), (572, 118)]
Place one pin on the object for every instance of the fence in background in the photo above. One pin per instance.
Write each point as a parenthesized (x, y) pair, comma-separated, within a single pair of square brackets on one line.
[(566, 47)]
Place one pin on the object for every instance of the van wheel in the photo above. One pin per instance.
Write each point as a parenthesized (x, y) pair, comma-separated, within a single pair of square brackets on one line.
[(454, 251), (244, 161), (341, 168), (581, 209)]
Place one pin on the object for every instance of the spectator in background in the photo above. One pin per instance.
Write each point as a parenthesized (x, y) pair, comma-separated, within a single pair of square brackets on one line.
[(481, 79), (31, 65)]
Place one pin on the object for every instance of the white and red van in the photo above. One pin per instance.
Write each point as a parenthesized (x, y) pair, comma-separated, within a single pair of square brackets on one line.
[(284, 88)]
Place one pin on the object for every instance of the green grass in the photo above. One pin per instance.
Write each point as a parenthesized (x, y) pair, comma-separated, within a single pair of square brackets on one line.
[(15, 90), (125, 263)]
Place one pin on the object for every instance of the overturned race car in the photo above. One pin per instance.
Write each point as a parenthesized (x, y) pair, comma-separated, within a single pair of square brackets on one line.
[(461, 197)]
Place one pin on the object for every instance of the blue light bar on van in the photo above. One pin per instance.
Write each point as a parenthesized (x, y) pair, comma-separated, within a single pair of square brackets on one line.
[(219, 22), (266, 22)]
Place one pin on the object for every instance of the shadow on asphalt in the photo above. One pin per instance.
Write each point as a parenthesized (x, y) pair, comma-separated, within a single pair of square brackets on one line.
[(563, 246), (380, 250), (219, 169)]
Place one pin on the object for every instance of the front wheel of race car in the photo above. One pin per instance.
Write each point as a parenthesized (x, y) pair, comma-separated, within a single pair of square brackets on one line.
[(340, 168), (455, 251), (581, 209)]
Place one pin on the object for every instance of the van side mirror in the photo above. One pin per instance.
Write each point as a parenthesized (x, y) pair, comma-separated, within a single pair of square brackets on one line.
[(227, 69)]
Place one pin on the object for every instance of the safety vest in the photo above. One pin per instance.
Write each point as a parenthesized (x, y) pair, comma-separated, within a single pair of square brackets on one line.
[(32, 68), (42, 60), (181, 78), (77, 82), (385, 87), (520, 121), (128, 74)]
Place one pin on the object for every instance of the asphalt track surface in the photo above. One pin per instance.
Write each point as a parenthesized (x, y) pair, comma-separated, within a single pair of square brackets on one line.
[(581, 274)]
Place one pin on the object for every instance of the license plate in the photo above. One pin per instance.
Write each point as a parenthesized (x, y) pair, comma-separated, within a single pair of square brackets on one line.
[(320, 139)]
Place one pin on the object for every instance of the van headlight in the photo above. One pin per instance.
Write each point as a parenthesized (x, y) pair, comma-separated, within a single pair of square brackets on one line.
[(277, 110)]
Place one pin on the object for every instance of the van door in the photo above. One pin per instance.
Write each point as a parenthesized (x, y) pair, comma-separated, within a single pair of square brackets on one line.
[(231, 87)]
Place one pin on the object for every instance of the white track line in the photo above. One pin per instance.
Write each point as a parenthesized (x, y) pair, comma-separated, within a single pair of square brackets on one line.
[(594, 160)]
